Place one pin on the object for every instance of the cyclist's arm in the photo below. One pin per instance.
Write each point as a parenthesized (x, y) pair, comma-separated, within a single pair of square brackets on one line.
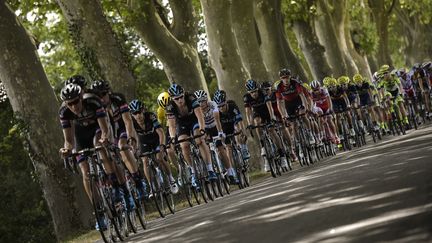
[(130, 130), (171, 126), (270, 109), (305, 101), (249, 115), (345, 97), (281, 107), (161, 135), (68, 135), (217, 119), (103, 125), (200, 116)]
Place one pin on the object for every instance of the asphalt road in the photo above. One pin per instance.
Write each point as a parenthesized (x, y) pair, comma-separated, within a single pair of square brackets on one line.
[(380, 192)]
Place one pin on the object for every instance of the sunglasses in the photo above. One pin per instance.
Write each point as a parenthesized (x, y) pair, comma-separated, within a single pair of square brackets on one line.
[(136, 112), (178, 97), (284, 77), (73, 102), (221, 105), (253, 91)]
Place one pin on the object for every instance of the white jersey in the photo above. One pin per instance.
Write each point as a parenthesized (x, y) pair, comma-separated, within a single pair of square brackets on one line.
[(208, 114)]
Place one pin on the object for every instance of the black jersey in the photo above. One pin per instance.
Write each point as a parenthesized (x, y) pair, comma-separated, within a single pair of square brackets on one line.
[(336, 93), (257, 105), (173, 111), (150, 125), (232, 116), (116, 108), (363, 89), (92, 109)]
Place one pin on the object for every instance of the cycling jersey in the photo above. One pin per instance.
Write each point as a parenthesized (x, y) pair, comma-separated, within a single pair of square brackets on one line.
[(258, 106), (147, 135), (351, 92), (321, 99), (85, 124), (231, 117), (289, 92), (275, 107), (188, 121), (208, 114), (336, 93), (116, 108), (161, 116)]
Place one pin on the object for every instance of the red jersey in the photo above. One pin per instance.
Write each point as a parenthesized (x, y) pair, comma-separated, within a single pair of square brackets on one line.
[(289, 92)]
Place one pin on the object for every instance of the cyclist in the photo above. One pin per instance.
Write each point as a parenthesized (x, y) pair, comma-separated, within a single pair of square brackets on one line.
[(80, 117), (364, 89), (214, 130), (260, 112), (351, 94), (420, 77), (408, 87), (150, 137), (392, 85), (121, 123), (185, 118), (322, 100), (231, 120), (163, 100), (291, 99)]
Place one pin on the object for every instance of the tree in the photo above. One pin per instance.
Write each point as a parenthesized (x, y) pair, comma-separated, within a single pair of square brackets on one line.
[(301, 15), (245, 31), (173, 44), (97, 44), (34, 104), (381, 11), (275, 49)]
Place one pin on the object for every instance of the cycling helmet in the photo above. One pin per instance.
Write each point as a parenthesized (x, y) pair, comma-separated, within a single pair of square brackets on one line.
[(315, 84), (219, 97), (175, 90), (416, 66), (70, 92), (427, 65), (384, 69), (284, 72), (76, 79), (163, 99), (331, 82), (251, 85), (201, 95), (401, 72), (266, 85), (357, 78), (343, 80), (135, 106), (100, 85), (326, 81), (307, 86)]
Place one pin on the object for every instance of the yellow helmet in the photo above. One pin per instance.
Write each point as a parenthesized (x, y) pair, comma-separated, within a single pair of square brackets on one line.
[(326, 81), (343, 80), (307, 86), (357, 78), (163, 99)]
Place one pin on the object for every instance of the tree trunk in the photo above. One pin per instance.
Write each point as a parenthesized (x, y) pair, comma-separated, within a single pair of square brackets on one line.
[(180, 59), (243, 25), (314, 52), (223, 53), (34, 103), (275, 52), (381, 18), (326, 33), (97, 44)]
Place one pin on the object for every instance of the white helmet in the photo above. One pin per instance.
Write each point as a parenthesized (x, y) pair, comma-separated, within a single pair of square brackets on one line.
[(315, 84), (200, 95)]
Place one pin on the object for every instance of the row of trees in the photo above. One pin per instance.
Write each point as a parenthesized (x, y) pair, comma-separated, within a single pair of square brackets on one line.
[(197, 43)]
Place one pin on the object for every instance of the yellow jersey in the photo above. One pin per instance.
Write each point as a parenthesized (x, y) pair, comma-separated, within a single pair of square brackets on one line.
[(161, 116)]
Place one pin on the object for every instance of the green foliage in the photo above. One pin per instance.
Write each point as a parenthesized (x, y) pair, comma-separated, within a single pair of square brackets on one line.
[(421, 9), (299, 9), (44, 22), (24, 216), (363, 30)]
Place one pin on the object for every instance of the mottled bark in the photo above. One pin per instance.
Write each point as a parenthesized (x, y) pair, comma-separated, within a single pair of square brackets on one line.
[(97, 45), (327, 36), (35, 104), (184, 26), (180, 59), (243, 25), (223, 53), (381, 18), (275, 51), (314, 52)]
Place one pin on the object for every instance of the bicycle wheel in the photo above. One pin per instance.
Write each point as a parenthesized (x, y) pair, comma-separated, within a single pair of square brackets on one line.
[(102, 213), (185, 184), (168, 196), (141, 211), (201, 178), (157, 191), (216, 184), (132, 215), (269, 157)]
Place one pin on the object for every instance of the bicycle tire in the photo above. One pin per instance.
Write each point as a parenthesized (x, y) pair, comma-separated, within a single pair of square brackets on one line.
[(99, 208), (157, 192), (186, 185)]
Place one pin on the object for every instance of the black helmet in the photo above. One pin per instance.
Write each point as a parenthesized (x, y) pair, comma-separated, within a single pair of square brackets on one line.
[(284, 72), (135, 106), (100, 86), (175, 90), (251, 85), (219, 97), (70, 92), (266, 85), (76, 79)]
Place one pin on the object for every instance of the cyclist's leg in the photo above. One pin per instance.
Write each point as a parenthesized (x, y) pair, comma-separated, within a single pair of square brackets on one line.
[(203, 147), (85, 176)]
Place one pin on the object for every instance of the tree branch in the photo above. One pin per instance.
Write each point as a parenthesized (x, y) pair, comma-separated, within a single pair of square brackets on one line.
[(391, 7), (184, 26), (161, 11)]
